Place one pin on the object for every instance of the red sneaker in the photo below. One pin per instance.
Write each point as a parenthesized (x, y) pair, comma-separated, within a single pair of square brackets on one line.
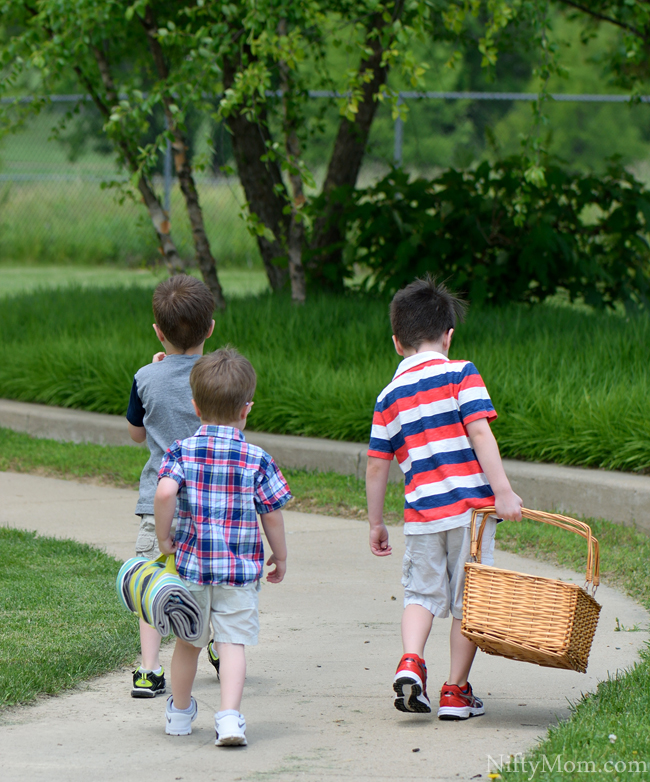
[(410, 685), (457, 704)]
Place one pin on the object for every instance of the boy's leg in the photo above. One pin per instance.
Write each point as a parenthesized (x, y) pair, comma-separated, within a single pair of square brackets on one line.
[(150, 640), (235, 622), (457, 701), (181, 709), (183, 670), (229, 723), (426, 594), (416, 626), (410, 680), (149, 678), (462, 653), (232, 673)]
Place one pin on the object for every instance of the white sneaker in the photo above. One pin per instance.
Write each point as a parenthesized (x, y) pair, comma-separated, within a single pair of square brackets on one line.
[(179, 723), (231, 729)]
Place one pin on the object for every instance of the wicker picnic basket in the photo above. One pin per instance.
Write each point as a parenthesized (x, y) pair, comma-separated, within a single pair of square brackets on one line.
[(529, 618)]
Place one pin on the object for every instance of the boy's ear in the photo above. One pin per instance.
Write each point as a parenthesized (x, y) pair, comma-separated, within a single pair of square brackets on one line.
[(210, 330), (398, 346), (446, 339), (196, 409), (159, 333)]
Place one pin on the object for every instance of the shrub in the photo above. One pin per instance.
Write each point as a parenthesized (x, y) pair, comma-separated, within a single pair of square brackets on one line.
[(501, 239)]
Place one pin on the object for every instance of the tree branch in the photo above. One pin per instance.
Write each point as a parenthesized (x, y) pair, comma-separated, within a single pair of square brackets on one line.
[(604, 18)]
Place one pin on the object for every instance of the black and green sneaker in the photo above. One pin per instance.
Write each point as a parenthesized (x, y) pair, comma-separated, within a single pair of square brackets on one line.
[(214, 658), (147, 684)]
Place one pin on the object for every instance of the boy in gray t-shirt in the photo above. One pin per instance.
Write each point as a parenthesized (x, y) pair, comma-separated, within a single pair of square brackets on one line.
[(160, 412)]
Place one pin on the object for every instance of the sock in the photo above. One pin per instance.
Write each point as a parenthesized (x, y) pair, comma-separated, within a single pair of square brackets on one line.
[(188, 710), (158, 671), (225, 713)]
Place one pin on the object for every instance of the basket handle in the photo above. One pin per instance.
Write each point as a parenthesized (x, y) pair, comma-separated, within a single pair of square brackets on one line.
[(564, 522)]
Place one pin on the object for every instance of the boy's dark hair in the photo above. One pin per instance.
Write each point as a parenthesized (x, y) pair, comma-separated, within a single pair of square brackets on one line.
[(423, 311), (182, 308), (222, 383)]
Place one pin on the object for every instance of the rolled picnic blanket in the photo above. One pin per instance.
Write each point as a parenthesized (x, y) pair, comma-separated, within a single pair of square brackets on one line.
[(154, 591)]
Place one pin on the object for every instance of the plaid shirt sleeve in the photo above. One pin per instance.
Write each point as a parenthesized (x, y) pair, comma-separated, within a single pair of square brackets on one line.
[(271, 489), (171, 466)]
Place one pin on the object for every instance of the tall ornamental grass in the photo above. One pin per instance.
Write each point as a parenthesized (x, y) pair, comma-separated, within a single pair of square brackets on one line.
[(570, 386)]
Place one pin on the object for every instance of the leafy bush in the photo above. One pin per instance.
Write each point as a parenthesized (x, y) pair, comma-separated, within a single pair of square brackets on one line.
[(501, 239)]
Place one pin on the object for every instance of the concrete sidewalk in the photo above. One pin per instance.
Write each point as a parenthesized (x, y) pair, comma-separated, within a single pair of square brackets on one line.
[(318, 697)]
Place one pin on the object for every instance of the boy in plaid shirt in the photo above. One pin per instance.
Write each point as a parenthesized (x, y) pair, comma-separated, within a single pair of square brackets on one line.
[(221, 482)]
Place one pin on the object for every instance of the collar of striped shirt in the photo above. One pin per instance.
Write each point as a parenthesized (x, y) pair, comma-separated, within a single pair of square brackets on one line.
[(416, 359)]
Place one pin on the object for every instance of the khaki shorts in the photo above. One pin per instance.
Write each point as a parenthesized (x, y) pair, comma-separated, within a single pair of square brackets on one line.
[(146, 544), (433, 572), (232, 611)]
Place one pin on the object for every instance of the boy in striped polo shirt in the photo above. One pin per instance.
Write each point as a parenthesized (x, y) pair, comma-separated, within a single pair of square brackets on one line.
[(435, 418)]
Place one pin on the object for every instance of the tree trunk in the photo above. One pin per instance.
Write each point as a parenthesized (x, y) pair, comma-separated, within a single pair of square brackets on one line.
[(204, 257), (296, 237), (159, 218), (261, 181), (349, 148)]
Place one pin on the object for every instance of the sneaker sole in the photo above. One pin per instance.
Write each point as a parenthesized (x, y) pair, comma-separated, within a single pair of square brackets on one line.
[(138, 693), (457, 714), (231, 741), (415, 703), (178, 732)]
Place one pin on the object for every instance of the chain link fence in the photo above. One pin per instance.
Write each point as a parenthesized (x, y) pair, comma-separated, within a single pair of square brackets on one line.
[(56, 205)]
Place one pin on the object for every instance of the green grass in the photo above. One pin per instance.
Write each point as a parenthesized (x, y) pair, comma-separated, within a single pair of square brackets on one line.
[(338, 495), (620, 705), (61, 620), (77, 222), (570, 386), (32, 278)]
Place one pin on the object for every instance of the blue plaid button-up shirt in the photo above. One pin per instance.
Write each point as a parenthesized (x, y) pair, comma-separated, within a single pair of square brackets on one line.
[(224, 481)]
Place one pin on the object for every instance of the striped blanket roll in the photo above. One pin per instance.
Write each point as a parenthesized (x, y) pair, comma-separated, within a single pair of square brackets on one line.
[(155, 592)]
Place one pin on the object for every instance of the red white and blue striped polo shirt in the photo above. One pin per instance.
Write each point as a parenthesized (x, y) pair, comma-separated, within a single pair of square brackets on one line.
[(420, 418)]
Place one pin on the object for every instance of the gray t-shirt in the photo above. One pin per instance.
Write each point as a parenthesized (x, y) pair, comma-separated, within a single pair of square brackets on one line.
[(161, 402)]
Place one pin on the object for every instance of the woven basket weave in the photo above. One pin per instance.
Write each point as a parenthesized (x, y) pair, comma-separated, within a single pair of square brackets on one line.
[(537, 620)]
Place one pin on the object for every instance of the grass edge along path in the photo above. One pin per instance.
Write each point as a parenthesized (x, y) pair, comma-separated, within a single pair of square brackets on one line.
[(61, 621), (619, 707)]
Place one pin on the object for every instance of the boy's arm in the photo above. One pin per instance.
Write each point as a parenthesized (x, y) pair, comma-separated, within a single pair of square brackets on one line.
[(273, 524), (507, 503), (135, 415), (137, 433), (376, 482), (164, 507)]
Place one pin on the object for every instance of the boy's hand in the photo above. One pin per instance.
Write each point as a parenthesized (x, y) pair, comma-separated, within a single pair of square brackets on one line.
[(508, 506), (158, 357), (168, 546), (379, 541), (277, 574)]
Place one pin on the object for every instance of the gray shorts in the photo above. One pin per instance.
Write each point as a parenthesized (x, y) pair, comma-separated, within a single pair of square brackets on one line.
[(146, 544), (433, 572), (232, 611)]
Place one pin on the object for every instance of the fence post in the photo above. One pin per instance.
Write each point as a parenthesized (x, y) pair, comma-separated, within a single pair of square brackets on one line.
[(399, 134)]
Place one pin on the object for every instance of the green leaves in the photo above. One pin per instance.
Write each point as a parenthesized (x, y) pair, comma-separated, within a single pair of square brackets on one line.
[(508, 232)]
